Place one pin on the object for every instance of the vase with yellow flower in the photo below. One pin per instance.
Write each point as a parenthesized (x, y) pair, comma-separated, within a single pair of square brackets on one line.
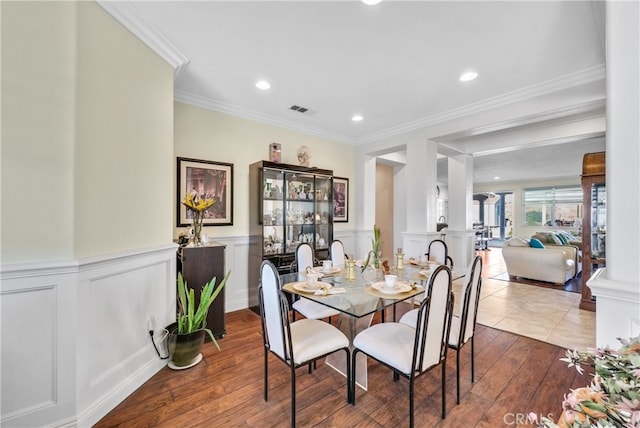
[(197, 205)]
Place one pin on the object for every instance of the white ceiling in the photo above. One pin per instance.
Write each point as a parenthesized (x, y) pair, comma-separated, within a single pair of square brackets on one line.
[(397, 64)]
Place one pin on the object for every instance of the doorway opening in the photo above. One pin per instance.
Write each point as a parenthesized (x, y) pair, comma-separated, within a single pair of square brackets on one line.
[(493, 216)]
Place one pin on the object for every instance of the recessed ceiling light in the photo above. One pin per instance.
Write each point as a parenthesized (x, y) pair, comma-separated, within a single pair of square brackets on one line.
[(470, 75), (496, 178), (357, 118), (371, 2), (263, 84)]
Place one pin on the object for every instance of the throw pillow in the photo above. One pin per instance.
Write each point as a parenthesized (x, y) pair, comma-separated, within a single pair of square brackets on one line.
[(562, 239), (553, 239), (541, 236), (535, 243), (569, 236)]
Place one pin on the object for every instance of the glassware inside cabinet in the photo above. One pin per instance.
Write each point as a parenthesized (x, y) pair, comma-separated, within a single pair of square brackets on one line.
[(273, 240), (300, 187), (323, 189), (323, 212), (273, 184), (598, 220), (272, 211), (323, 237)]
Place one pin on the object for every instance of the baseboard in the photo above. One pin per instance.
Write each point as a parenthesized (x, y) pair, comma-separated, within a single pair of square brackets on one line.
[(100, 408)]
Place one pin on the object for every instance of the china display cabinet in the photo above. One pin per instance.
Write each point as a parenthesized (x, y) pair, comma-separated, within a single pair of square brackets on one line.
[(290, 204), (594, 222)]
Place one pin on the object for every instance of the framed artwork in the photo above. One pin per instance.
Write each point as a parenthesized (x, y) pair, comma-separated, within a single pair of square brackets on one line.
[(207, 179), (340, 199)]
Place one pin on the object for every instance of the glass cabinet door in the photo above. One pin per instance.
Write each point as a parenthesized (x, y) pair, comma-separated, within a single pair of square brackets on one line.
[(295, 207), (272, 212), (598, 220), (299, 215), (323, 212)]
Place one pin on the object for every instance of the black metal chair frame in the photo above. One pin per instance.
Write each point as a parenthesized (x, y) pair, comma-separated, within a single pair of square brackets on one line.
[(288, 360), (477, 262), (447, 258), (418, 351)]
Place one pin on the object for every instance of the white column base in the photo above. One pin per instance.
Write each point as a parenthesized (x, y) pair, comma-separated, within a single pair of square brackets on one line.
[(416, 243), (461, 246), (617, 309)]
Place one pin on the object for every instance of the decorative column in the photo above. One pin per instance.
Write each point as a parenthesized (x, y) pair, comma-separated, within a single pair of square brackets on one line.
[(617, 287), (421, 201), (460, 233)]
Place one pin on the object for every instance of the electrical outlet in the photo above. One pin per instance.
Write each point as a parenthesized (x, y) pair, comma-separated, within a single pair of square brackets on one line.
[(151, 324)]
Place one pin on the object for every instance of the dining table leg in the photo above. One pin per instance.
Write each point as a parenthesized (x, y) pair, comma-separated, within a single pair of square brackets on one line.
[(351, 326)]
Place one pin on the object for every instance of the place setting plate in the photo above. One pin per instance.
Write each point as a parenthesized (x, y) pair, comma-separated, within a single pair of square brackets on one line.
[(331, 271), (416, 262), (400, 287), (304, 286)]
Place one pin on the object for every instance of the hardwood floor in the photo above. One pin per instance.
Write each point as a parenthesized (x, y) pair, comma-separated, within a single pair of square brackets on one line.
[(515, 375)]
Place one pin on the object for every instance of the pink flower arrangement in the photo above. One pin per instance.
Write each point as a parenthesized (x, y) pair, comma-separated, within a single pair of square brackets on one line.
[(613, 397)]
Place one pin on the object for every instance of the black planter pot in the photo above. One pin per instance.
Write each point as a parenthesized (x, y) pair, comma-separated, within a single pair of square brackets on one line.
[(184, 349)]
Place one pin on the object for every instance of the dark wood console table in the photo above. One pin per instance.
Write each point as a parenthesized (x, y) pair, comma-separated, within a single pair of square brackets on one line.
[(198, 266)]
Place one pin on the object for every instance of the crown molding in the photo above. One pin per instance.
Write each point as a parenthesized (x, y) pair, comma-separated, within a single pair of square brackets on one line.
[(219, 106), (568, 81), (131, 18), (593, 108)]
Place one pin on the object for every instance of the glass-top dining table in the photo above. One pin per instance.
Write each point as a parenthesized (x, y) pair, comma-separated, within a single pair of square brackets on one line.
[(358, 299)]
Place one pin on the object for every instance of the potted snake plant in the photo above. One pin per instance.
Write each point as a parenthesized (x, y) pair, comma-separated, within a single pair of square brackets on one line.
[(187, 335)]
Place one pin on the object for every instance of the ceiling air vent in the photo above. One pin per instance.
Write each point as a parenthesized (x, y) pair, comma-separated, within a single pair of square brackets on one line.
[(298, 109)]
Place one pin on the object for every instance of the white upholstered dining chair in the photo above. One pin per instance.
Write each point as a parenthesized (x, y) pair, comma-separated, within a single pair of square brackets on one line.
[(308, 308), (294, 343), (410, 352), (463, 323), (439, 253), (337, 253)]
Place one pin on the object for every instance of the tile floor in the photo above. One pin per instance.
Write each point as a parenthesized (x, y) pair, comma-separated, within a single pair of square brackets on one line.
[(545, 314)]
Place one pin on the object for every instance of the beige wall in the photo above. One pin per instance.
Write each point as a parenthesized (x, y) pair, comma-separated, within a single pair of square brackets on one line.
[(124, 143), (38, 77), (384, 208), (87, 137), (517, 187), (215, 136)]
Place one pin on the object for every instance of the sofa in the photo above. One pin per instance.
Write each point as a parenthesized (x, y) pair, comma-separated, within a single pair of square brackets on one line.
[(552, 263), (564, 239)]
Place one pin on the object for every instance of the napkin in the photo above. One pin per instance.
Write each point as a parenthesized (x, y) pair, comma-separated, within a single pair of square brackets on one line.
[(425, 272), (332, 290)]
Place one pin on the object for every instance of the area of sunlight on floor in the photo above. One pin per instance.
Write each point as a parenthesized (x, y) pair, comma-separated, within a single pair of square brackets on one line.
[(545, 314)]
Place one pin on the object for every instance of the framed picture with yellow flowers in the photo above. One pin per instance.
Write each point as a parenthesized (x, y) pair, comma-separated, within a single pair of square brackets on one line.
[(205, 190)]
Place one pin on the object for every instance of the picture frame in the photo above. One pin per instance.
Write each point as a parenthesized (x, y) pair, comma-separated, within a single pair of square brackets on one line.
[(207, 178), (340, 199)]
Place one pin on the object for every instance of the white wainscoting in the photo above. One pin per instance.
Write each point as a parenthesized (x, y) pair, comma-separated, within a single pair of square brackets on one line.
[(75, 338), (236, 294), (618, 309)]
